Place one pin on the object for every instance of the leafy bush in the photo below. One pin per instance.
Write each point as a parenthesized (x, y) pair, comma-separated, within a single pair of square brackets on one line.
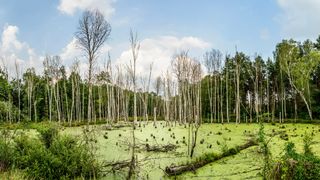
[(6, 150), (74, 157), (66, 158), (296, 166), (33, 157), (50, 156), (47, 133), (307, 141), (7, 108), (264, 148)]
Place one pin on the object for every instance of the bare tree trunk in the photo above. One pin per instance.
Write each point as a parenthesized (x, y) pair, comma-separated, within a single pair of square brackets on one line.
[(295, 108), (227, 92), (19, 94), (73, 101), (282, 97), (238, 92), (66, 103), (273, 105), (221, 101), (256, 94), (135, 46), (215, 99), (57, 101), (268, 97)]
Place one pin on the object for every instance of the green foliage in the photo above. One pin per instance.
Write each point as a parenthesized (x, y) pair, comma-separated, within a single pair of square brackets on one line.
[(6, 150), (33, 157), (224, 146), (296, 166), (208, 157), (51, 156), (298, 61), (8, 111), (73, 158), (307, 142), (264, 148), (47, 133), (231, 151)]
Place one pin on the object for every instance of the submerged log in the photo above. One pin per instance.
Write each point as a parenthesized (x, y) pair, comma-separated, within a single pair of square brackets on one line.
[(206, 159), (159, 148), (118, 165)]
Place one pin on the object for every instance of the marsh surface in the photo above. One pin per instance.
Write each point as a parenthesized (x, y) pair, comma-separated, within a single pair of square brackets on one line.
[(113, 146)]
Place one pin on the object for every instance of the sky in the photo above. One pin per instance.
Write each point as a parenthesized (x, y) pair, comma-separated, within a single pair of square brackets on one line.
[(32, 29)]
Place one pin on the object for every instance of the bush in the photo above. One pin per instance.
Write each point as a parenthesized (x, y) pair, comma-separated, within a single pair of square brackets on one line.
[(296, 166), (6, 150), (66, 158), (74, 157), (264, 148), (33, 157), (50, 156), (307, 142), (47, 133)]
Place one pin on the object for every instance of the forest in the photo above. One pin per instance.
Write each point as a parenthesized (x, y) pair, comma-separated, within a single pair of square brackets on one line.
[(199, 118)]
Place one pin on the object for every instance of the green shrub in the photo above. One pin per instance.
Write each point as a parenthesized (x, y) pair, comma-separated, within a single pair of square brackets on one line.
[(6, 150), (264, 148), (296, 166), (66, 158), (307, 142), (224, 146), (75, 158), (48, 132), (33, 157)]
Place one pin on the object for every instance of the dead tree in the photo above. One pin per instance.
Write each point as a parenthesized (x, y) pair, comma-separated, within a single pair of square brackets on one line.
[(18, 72), (92, 32), (135, 47)]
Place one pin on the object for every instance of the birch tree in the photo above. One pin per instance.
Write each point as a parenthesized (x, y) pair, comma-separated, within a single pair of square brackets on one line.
[(298, 63)]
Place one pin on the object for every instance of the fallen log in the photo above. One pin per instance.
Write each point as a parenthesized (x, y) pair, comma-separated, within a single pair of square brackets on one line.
[(110, 127), (163, 148), (206, 159), (118, 165)]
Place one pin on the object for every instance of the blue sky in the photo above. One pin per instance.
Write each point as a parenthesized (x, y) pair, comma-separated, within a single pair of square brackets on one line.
[(164, 27)]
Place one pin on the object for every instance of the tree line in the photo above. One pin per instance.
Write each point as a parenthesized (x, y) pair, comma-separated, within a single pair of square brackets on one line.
[(216, 88)]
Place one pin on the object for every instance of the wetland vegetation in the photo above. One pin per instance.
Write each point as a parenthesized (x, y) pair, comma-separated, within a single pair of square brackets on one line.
[(228, 116)]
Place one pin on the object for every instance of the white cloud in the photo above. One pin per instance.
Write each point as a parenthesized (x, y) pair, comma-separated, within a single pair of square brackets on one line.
[(71, 6), (159, 51), (300, 18), (72, 52), (12, 50), (9, 39)]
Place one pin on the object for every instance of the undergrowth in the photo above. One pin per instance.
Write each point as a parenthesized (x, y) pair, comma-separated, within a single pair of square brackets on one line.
[(297, 166), (49, 156)]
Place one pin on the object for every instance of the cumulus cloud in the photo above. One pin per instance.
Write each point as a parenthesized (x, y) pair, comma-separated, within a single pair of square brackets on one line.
[(71, 6), (71, 52), (300, 18), (159, 51), (13, 50)]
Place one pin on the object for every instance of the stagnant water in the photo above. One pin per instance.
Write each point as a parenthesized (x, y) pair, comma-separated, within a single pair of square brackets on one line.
[(112, 145)]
